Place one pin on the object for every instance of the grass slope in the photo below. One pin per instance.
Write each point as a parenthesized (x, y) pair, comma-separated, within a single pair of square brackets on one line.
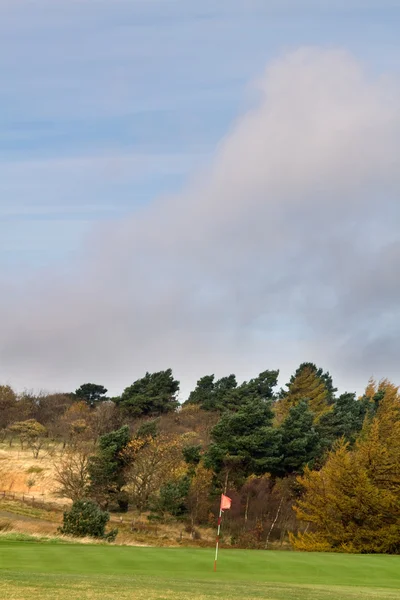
[(45, 571)]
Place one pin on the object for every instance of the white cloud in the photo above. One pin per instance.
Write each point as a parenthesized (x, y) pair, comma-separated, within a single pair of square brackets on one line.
[(285, 250)]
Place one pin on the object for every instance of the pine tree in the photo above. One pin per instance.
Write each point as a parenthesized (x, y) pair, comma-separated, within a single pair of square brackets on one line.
[(107, 468), (245, 440), (152, 395), (345, 420), (300, 442)]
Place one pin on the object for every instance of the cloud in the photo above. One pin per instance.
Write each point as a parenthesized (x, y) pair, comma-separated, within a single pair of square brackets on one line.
[(286, 249)]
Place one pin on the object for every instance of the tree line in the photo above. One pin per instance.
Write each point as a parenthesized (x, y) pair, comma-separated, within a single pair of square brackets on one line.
[(302, 463)]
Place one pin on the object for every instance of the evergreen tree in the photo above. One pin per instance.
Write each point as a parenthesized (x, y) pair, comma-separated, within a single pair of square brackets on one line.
[(225, 394), (213, 395), (245, 440), (91, 393), (152, 395), (173, 497), (345, 420), (300, 443), (86, 519), (261, 387), (107, 468)]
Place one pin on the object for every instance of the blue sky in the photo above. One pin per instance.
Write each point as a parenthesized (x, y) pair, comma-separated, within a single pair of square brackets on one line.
[(157, 83), (106, 106)]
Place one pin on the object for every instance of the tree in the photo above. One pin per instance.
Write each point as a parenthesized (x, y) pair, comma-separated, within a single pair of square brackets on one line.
[(107, 468), (91, 393), (300, 443), (72, 475), (311, 384), (8, 405), (261, 387), (345, 420), (204, 393), (245, 440), (75, 424), (86, 519), (31, 433), (192, 454), (173, 497), (353, 502), (147, 429), (154, 461), (225, 394), (153, 395), (198, 502), (105, 418)]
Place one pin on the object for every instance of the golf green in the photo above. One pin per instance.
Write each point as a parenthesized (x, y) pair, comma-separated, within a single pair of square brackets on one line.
[(31, 570)]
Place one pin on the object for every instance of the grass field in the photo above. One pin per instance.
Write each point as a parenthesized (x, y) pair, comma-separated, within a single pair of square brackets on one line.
[(33, 571)]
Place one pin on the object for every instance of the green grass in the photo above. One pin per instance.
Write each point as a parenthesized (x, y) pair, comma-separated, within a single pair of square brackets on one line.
[(75, 572)]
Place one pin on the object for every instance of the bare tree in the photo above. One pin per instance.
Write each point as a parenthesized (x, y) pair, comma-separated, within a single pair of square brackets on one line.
[(72, 474)]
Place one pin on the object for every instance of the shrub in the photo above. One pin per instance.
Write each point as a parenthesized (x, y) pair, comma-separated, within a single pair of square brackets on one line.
[(85, 518), (173, 495), (35, 470)]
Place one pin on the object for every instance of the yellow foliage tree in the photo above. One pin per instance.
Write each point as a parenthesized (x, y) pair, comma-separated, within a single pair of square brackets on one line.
[(305, 385), (353, 502), (199, 492), (155, 460)]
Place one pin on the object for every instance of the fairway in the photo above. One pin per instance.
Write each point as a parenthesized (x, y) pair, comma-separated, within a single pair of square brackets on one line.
[(31, 570)]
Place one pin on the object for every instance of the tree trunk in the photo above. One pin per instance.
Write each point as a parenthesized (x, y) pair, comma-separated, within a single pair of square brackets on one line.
[(273, 523)]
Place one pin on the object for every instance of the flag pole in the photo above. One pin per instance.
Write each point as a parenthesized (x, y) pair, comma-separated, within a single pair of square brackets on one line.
[(217, 540), (225, 504)]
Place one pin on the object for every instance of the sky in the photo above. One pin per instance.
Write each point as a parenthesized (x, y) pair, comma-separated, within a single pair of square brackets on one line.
[(207, 186)]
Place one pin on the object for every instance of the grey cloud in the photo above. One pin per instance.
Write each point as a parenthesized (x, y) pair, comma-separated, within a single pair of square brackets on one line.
[(286, 249)]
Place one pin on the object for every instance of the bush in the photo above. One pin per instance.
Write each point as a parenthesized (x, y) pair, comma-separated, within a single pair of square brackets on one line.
[(173, 495), (87, 519)]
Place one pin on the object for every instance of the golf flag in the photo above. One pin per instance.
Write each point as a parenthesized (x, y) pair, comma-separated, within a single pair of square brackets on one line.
[(224, 505), (225, 502)]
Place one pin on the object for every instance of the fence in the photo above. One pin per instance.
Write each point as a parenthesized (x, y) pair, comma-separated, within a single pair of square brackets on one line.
[(34, 501)]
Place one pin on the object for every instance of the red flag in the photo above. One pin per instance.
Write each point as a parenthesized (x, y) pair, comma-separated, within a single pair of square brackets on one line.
[(225, 502)]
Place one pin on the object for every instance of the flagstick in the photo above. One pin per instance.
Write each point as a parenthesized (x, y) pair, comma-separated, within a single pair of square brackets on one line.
[(217, 542)]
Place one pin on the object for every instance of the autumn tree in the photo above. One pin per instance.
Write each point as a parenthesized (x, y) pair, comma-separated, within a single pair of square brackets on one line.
[(106, 417), (198, 497), (154, 461), (75, 426), (311, 384), (31, 434), (49, 409), (353, 502)]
